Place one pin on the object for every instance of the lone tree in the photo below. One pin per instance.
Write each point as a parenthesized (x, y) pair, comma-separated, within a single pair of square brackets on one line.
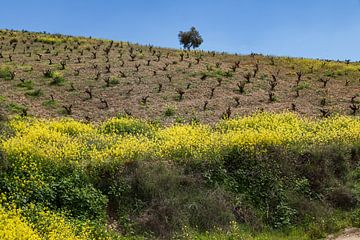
[(190, 39)]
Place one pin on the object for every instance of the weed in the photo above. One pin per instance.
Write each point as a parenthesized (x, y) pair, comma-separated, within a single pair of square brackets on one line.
[(34, 93), (169, 111)]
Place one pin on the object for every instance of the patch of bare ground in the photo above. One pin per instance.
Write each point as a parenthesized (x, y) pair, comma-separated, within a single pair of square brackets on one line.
[(347, 234)]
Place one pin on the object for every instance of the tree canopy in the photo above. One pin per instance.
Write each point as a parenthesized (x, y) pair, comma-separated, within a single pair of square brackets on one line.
[(190, 39)]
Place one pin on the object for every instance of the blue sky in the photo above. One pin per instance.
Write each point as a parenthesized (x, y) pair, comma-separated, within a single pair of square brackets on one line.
[(303, 28)]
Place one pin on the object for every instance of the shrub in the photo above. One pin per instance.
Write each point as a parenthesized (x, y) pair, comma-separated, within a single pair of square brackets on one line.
[(302, 85), (5, 72), (50, 103), (26, 84), (56, 186), (169, 111), (75, 194), (57, 79), (34, 93), (114, 81), (48, 73), (257, 177), (165, 198), (343, 198), (15, 108)]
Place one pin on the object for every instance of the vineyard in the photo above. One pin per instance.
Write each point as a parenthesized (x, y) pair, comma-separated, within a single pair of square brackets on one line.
[(114, 140), (90, 79)]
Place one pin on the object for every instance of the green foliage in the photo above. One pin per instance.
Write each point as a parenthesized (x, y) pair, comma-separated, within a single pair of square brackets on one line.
[(188, 182), (5, 72), (355, 217), (34, 93), (302, 85), (169, 111), (239, 232), (56, 187), (265, 189), (15, 108), (329, 73), (29, 85), (162, 198), (180, 119), (75, 194), (50, 103), (2, 99), (48, 73), (57, 79), (190, 39), (279, 183), (114, 81)]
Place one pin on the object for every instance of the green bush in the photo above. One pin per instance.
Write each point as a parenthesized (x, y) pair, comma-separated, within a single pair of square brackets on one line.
[(54, 186), (50, 103), (57, 79), (29, 85), (77, 195), (284, 185), (302, 85), (114, 81), (161, 198), (5, 72), (169, 111), (34, 93), (48, 73), (15, 108)]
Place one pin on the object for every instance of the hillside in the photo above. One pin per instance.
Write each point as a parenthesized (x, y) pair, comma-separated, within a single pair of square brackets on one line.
[(113, 140), (44, 75)]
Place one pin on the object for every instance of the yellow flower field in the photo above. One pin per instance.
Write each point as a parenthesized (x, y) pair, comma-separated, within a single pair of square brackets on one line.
[(72, 141), (38, 144)]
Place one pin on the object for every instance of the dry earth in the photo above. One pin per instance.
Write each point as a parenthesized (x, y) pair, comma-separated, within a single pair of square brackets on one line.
[(347, 234)]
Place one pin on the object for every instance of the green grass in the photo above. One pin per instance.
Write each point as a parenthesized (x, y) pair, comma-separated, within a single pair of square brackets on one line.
[(15, 108), (169, 111), (29, 85), (34, 93), (57, 79), (302, 85), (114, 81), (50, 103), (5, 72)]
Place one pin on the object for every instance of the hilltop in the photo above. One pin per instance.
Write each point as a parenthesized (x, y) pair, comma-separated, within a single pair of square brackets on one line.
[(52, 75)]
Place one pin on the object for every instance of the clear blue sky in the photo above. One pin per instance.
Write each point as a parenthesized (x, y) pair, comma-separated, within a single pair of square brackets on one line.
[(304, 28)]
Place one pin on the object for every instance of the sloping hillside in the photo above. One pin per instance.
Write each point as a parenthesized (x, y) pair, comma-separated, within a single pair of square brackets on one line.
[(55, 75), (122, 170)]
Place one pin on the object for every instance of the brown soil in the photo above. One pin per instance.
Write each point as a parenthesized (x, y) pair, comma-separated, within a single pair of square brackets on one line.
[(347, 234)]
